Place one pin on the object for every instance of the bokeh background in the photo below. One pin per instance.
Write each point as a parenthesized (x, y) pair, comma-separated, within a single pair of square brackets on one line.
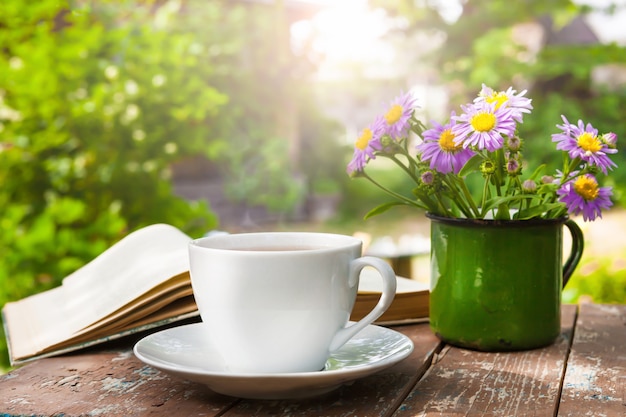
[(241, 115)]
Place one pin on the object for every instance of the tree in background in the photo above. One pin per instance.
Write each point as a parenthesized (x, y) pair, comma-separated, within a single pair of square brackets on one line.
[(536, 45), (545, 47), (99, 99)]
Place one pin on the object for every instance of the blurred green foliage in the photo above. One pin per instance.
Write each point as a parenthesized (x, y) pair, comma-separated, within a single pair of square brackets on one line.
[(491, 43), (558, 76), (84, 152), (520, 44), (601, 280), (98, 100)]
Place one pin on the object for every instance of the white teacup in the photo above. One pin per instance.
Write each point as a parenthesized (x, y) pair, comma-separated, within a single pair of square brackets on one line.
[(280, 302)]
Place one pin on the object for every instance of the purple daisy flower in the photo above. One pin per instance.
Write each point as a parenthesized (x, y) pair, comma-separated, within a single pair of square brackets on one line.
[(582, 141), (483, 126), (366, 145), (583, 195), (516, 102), (441, 150), (398, 116)]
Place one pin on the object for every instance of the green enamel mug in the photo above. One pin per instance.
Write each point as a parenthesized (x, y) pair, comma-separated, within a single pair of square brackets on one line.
[(496, 284)]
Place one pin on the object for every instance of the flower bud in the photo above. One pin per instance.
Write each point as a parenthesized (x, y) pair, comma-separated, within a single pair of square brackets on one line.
[(610, 139), (427, 177), (547, 179), (514, 143), (529, 186), (387, 141), (513, 167), (487, 168)]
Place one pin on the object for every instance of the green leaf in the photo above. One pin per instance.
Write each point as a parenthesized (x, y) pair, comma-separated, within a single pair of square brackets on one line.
[(547, 189), (472, 165), (382, 208), (537, 171), (496, 202), (503, 212), (502, 201), (536, 211)]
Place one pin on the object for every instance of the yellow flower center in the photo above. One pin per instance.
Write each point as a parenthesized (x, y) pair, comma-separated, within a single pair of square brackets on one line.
[(498, 98), (483, 122), (589, 142), (364, 139), (586, 187), (394, 114), (446, 141)]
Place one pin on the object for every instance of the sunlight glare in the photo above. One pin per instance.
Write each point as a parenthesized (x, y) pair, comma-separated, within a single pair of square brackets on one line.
[(347, 31)]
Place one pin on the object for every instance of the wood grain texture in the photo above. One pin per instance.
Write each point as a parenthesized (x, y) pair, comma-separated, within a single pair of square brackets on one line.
[(377, 395), (595, 381), (103, 383), (115, 383), (585, 369), (468, 383)]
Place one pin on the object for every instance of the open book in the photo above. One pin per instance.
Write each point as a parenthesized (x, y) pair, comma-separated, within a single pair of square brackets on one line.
[(410, 304), (139, 283)]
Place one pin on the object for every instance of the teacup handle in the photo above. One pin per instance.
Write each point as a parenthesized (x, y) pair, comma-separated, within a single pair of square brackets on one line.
[(389, 291), (578, 244)]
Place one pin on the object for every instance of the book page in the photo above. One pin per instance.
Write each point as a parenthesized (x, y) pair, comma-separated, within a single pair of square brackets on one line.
[(156, 298), (124, 272), (31, 322), (410, 304), (370, 282), (156, 310)]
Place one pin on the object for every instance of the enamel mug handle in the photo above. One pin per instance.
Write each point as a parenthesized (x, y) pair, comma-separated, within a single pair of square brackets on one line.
[(389, 291), (578, 244)]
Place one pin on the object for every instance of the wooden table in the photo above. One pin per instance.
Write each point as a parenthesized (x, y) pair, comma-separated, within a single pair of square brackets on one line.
[(582, 374)]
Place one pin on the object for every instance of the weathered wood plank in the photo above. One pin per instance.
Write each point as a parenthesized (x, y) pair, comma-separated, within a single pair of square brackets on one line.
[(112, 383), (468, 383), (377, 395), (595, 381)]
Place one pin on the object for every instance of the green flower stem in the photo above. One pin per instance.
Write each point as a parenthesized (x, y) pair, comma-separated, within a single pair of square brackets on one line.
[(552, 214), (417, 126), (411, 169), (468, 196), (464, 209), (437, 206), (499, 171), (524, 204), (395, 195), (458, 197), (571, 167), (513, 187), (442, 206), (486, 195), (559, 212)]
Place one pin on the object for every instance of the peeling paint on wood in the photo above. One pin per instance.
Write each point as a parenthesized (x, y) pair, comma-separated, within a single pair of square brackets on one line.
[(117, 384), (436, 380), (103, 384), (595, 381), (469, 383), (376, 395)]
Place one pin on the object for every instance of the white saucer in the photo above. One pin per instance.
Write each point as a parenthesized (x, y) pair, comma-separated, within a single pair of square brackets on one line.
[(187, 352)]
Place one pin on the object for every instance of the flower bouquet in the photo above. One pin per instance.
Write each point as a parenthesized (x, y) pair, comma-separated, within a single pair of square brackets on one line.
[(484, 139), (496, 251)]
